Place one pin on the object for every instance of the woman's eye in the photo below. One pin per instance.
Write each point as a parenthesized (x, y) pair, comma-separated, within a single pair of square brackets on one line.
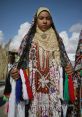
[(41, 18), (48, 18)]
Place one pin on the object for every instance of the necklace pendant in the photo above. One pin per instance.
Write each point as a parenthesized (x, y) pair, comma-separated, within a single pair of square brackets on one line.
[(44, 36)]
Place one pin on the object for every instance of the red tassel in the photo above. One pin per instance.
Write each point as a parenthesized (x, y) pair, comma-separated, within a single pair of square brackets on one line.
[(71, 89), (29, 90)]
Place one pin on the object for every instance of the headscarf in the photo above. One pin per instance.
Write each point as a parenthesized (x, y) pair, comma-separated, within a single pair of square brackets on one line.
[(42, 9)]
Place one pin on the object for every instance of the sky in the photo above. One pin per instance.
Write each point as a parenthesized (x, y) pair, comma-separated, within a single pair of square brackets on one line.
[(16, 17)]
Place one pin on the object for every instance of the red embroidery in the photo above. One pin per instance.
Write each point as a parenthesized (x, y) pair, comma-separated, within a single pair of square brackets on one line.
[(42, 74)]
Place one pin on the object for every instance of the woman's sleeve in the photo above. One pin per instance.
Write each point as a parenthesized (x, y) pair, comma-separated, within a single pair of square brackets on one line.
[(65, 61)]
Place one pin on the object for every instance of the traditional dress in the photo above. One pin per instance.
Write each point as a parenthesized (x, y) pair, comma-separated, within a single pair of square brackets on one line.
[(43, 55), (45, 74)]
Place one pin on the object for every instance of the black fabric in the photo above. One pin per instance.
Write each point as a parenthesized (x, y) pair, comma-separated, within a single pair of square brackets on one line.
[(26, 109), (7, 89)]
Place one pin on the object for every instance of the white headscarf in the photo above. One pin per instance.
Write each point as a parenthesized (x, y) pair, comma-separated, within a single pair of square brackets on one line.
[(42, 9)]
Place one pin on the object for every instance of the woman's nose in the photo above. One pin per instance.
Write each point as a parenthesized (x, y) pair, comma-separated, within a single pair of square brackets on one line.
[(45, 21)]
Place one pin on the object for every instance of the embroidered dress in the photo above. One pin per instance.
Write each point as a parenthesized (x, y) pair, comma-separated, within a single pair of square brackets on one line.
[(44, 75)]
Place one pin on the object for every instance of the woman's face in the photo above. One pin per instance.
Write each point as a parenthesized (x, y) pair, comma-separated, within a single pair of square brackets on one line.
[(44, 21)]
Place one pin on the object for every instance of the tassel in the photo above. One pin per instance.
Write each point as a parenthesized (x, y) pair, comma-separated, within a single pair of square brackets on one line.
[(66, 91), (25, 94), (18, 90), (71, 89), (29, 90)]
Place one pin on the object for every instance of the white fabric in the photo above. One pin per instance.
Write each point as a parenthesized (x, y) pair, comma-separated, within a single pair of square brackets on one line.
[(64, 108), (21, 109), (61, 82), (9, 67), (12, 102), (14, 109)]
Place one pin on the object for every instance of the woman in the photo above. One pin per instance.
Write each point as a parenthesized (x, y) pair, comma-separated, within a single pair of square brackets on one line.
[(43, 55)]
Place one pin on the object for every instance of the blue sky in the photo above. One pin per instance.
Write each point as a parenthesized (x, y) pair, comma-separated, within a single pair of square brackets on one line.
[(14, 12), (66, 14)]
